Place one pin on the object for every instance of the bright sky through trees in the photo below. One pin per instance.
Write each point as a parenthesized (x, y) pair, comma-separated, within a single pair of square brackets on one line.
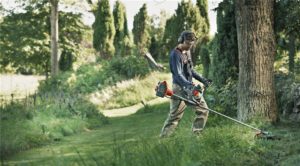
[(132, 7)]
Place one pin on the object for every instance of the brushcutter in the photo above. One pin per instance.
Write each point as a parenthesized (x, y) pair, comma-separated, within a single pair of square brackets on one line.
[(162, 90)]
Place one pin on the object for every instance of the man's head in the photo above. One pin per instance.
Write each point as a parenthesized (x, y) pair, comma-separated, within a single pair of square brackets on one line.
[(187, 39)]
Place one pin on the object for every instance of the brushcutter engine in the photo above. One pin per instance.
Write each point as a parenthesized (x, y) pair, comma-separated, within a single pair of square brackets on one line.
[(162, 90)]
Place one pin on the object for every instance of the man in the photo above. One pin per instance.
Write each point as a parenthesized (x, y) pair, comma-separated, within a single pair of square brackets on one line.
[(182, 73)]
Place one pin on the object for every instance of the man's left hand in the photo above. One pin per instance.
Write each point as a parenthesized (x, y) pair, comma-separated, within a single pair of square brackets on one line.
[(207, 83)]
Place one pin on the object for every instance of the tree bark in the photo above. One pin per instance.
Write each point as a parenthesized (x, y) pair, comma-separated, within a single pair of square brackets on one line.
[(256, 47), (54, 37)]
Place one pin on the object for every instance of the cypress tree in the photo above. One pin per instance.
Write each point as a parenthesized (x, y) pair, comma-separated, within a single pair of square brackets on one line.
[(202, 47), (187, 17), (141, 28), (203, 8), (122, 40), (104, 30), (225, 50)]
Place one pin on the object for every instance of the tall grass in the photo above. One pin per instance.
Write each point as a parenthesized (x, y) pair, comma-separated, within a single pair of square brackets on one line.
[(129, 92), (24, 125)]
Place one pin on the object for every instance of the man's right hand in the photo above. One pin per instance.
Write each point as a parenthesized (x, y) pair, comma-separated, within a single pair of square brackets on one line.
[(193, 92), (189, 91)]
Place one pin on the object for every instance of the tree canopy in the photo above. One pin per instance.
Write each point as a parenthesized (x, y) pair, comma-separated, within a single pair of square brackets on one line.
[(26, 46), (104, 30)]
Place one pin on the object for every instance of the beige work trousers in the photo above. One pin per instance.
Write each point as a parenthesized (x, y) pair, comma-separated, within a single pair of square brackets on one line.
[(176, 112)]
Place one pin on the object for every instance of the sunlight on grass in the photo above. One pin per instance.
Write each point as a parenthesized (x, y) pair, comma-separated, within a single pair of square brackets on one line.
[(130, 92)]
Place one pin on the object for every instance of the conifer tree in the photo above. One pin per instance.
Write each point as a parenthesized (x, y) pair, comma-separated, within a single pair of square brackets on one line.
[(225, 50), (202, 46), (187, 17), (104, 30), (203, 7), (141, 28), (122, 40)]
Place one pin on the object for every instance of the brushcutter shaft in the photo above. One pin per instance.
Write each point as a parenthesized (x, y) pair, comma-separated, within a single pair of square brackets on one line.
[(210, 110)]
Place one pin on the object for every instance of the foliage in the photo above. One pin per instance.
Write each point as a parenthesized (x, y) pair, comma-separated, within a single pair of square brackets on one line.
[(203, 7), (122, 40), (129, 66), (158, 24), (187, 17), (90, 77), (204, 40), (141, 28), (30, 52), (285, 88), (224, 45), (104, 30), (129, 92), (53, 116), (66, 61), (223, 99), (287, 23), (205, 59)]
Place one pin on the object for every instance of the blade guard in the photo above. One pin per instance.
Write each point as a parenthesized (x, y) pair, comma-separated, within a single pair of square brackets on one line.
[(162, 89)]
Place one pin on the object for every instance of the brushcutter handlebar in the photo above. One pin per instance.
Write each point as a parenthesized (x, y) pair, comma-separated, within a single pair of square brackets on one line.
[(162, 90)]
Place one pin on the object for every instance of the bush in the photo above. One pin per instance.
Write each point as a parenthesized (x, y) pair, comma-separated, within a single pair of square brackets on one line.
[(285, 87), (223, 99), (130, 66)]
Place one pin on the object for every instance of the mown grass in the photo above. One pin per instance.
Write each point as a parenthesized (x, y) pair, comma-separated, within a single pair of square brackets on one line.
[(133, 140), (61, 106)]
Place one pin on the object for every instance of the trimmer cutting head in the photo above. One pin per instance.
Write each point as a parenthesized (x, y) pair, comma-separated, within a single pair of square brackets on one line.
[(266, 135)]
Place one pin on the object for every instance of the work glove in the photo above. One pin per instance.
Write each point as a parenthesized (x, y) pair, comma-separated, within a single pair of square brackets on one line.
[(188, 90), (193, 92), (207, 83)]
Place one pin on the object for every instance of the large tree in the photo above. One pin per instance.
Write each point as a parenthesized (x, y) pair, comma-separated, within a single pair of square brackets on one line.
[(104, 30), (141, 29), (29, 52), (256, 47)]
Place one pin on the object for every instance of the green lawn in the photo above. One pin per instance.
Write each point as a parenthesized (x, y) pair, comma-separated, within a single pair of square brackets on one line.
[(133, 140)]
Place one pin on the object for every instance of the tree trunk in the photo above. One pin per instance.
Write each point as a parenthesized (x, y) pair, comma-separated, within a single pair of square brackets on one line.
[(292, 51), (54, 37), (256, 47)]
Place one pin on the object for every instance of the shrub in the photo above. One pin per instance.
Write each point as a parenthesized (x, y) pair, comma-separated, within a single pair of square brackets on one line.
[(130, 66), (285, 87)]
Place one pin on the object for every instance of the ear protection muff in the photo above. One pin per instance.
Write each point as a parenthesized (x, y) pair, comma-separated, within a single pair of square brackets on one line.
[(181, 37)]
